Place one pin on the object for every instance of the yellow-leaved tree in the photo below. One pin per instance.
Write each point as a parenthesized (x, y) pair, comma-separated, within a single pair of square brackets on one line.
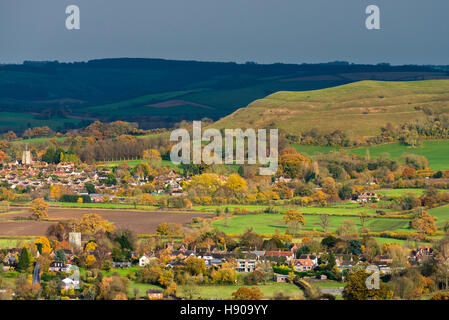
[(294, 220), (39, 209), (92, 223), (152, 155), (43, 245)]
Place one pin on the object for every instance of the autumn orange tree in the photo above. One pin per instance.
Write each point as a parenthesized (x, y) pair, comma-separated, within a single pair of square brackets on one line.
[(57, 191), (90, 260), (39, 209), (409, 173), (294, 219), (113, 287), (225, 275), (195, 266), (204, 185), (243, 293), (424, 223), (152, 155), (356, 288), (147, 199), (93, 223), (169, 229), (236, 184), (43, 245), (293, 164), (2, 156)]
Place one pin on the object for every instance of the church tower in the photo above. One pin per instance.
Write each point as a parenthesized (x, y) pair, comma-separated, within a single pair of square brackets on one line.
[(26, 157)]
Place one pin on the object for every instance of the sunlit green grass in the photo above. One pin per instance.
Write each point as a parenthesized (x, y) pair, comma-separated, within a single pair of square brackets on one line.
[(223, 292), (435, 151), (272, 223)]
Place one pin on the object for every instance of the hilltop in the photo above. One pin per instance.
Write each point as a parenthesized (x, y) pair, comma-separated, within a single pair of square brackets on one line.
[(158, 93), (359, 109)]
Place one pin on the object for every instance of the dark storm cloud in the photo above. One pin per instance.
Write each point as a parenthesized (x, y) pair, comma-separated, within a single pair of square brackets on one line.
[(413, 31)]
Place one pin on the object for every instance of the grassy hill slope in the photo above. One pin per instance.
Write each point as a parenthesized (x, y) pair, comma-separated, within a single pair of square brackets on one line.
[(159, 93), (360, 109)]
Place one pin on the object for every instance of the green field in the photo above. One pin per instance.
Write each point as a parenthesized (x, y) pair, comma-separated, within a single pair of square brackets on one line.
[(390, 241), (221, 292), (20, 121), (142, 287), (351, 209), (360, 109), (435, 151), (139, 101), (399, 192), (442, 215), (327, 284), (39, 140), (13, 242), (133, 163), (271, 223)]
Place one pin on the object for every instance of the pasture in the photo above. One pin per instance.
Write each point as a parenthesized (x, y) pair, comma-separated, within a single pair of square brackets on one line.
[(399, 192), (343, 209), (435, 151), (20, 121), (361, 109), (272, 223), (441, 214), (221, 292)]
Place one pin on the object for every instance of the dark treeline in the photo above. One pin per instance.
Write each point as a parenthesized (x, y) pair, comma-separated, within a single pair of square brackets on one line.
[(112, 149)]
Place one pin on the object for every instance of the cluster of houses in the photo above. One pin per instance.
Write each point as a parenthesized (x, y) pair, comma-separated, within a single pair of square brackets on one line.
[(245, 261), (40, 175)]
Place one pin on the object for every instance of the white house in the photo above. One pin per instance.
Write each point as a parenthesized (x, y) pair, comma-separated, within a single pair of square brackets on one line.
[(145, 260), (68, 284)]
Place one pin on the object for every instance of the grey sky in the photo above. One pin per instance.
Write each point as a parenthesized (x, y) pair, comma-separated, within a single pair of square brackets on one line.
[(265, 31)]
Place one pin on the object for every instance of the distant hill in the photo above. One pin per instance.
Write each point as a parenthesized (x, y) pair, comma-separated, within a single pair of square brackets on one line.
[(159, 93), (360, 109)]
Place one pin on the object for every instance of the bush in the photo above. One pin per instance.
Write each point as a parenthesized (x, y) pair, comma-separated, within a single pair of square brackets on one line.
[(73, 198)]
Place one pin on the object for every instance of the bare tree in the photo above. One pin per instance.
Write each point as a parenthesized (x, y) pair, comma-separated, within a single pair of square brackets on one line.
[(324, 221)]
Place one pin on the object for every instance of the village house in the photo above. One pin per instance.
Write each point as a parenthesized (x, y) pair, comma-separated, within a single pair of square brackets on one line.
[(58, 266), (366, 197), (344, 261), (145, 260), (305, 262), (383, 260), (280, 278), (284, 179), (245, 266), (210, 261), (122, 265), (302, 265), (288, 255), (154, 294), (68, 284), (420, 254), (10, 261)]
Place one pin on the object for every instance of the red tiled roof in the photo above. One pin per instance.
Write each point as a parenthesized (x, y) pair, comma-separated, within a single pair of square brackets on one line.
[(279, 253)]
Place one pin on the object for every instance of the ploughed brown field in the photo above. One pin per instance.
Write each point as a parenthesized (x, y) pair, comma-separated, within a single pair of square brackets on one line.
[(141, 222)]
